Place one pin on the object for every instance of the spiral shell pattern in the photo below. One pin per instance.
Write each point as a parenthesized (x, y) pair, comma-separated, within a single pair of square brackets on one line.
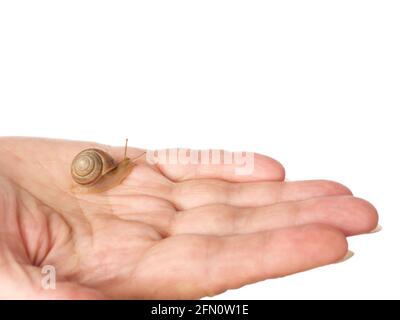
[(89, 165)]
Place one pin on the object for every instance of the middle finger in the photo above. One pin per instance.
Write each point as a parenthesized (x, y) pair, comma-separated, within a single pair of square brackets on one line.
[(349, 214), (196, 193)]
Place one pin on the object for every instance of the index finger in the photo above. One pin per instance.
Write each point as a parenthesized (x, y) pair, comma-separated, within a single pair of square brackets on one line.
[(186, 164)]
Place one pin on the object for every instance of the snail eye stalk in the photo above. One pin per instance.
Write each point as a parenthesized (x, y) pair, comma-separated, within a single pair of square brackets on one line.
[(126, 148)]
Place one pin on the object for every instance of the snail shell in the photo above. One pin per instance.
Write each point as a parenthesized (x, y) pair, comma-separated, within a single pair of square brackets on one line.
[(90, 165), (95, 171)]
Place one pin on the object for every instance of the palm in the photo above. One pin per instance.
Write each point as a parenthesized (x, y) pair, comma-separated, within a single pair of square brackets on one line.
[(170, 231)]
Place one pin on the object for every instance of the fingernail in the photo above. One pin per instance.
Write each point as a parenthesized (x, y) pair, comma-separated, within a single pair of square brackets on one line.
[(377, 229), (348, 255)]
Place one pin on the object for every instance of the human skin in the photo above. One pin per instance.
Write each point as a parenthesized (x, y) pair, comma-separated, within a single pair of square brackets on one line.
[(168, 231)]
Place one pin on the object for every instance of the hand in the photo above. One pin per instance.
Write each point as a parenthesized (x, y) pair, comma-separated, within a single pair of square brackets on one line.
[(168, 231)]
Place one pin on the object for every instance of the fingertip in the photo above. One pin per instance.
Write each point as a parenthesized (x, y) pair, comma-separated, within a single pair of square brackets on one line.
[(370, 216), (334, 188), (326, 244), (349, 214), (268, 168), (354, 215)]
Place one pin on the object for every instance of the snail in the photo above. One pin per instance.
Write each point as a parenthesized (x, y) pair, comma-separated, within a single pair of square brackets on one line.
[(94, 170)]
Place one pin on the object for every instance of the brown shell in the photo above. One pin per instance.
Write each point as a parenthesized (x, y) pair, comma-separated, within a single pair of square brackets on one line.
[(90, 165)]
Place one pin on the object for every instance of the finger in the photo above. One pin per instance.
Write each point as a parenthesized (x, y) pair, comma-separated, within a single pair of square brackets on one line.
[(350, 215), (193, 266), (187, 164), (195, 193)]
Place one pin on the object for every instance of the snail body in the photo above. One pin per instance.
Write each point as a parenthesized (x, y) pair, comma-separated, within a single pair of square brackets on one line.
[(95, 171)]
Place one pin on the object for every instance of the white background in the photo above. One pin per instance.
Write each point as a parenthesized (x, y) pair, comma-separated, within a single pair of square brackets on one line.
[(315, 84)]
